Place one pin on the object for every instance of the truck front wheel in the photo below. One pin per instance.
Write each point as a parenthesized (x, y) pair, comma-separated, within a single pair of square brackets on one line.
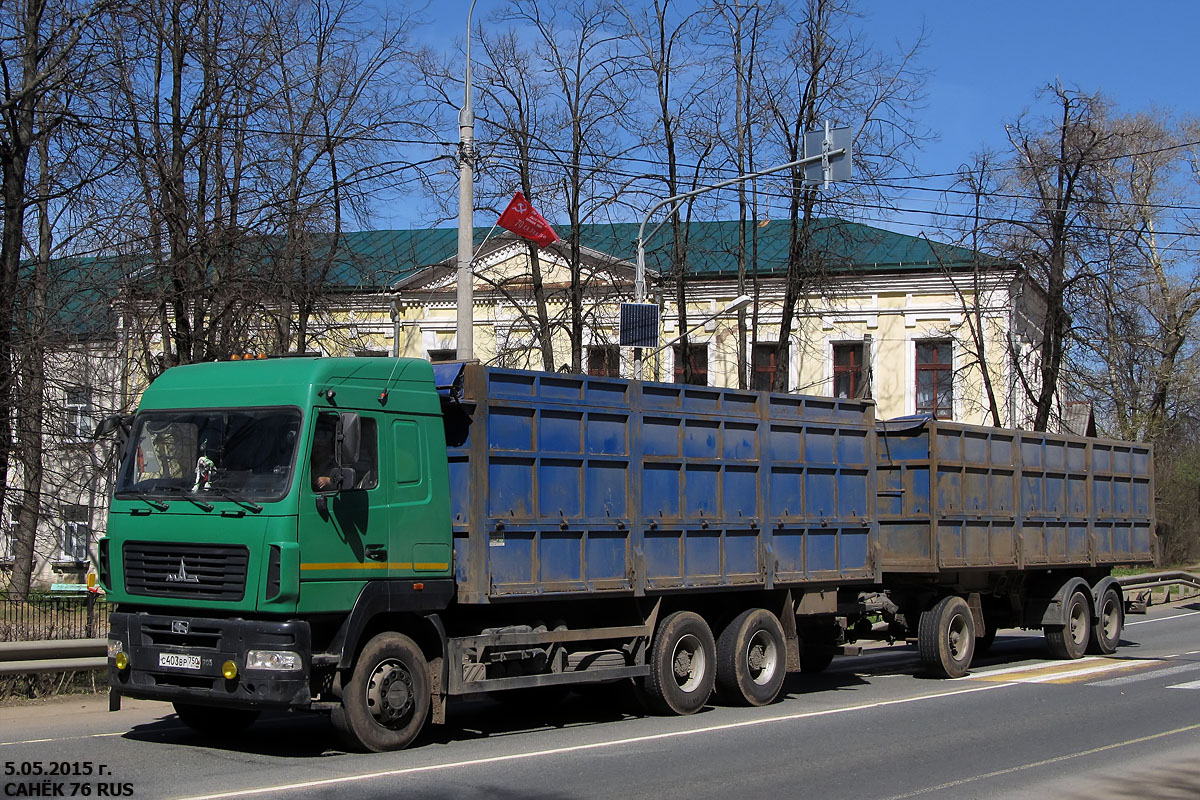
[(682, 659), (386, 702)]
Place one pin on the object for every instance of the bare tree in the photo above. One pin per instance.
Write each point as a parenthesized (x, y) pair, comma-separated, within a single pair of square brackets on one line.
[(1051, 224), (748, 25), (44, 47), (581, 51), (831, 73), (670, 60), (515, 107)]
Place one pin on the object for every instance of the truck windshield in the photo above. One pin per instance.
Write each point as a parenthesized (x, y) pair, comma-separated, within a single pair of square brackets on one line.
[(238, 454)]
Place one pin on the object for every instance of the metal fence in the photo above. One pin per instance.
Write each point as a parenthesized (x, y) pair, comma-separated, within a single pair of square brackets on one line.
[(53, 618)]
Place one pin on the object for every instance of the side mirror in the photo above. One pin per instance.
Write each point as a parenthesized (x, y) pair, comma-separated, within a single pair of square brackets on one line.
[(347, 438), (344, 478)]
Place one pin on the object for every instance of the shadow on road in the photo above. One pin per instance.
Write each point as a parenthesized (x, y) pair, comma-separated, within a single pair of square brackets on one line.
[(282, 735), (1170, 782)]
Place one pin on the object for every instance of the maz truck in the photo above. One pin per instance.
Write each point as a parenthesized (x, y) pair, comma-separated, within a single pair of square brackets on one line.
[(369, 537)]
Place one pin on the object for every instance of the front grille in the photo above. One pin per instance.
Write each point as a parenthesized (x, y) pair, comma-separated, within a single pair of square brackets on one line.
[(186, 570), (198, 636)]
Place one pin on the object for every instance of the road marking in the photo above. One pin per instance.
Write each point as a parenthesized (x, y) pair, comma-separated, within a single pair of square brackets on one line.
[(1041, 665), (1146, 676), (1162, 619), (1188, 685), (65, 738), (1060, 671), (1045, 762), (391, 773)]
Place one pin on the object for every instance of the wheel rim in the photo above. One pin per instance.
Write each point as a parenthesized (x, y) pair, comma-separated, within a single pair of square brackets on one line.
[(1079, 624), (958, 637), (390, 693), (762, 658), (688, 663), (1110, 620)]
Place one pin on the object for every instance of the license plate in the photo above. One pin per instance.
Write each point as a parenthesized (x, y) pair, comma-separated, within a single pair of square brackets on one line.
[(178, 661)]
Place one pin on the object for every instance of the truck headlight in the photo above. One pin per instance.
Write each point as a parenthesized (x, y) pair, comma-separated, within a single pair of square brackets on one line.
[(115, 646), (279, 660)]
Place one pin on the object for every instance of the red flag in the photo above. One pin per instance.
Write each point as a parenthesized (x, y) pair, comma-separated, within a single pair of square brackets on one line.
[(521, 219)]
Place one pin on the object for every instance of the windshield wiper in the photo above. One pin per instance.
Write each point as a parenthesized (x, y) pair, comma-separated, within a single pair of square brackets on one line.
[(233, 497), (187, 495), (160, 505)]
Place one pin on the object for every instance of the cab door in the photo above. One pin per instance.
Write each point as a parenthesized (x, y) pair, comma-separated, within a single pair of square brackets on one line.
[(420, 524), (343, 528)]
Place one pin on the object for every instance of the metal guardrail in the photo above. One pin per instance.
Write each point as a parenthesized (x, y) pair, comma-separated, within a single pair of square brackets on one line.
[(56, 655), (1155, 580), (1139, 589)]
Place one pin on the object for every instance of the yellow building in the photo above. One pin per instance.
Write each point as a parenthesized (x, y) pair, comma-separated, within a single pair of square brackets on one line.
[(921, 327)]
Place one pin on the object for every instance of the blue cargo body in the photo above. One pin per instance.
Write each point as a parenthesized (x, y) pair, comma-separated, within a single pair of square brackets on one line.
[(577, 485), (957, 496)]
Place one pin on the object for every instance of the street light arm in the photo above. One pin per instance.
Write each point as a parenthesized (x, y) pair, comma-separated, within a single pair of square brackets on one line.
[(639, 283), (737, 304)]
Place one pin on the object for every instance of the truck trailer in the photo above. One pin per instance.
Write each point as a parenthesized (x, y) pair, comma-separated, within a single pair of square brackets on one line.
[(368, 537)]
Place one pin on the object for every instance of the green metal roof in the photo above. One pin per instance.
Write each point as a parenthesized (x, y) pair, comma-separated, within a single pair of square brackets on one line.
[(379, 258), (376, 260)]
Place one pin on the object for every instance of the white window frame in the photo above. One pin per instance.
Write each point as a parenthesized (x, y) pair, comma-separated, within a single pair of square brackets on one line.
[(79, 422)]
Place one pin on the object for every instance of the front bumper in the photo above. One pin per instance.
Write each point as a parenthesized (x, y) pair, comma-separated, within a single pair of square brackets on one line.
[(144, 637)]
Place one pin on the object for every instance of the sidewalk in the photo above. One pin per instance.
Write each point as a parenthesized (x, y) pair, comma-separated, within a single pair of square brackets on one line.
[(65, 705)]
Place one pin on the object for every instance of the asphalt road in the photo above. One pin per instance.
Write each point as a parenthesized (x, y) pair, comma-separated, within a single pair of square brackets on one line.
[(1019, 726)]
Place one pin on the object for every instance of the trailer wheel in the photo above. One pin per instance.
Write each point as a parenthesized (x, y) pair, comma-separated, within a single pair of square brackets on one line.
[(1110, 621), (946, 637), (1070, 641), (681, 665), (386, 701), (750, 659), (214, 720)]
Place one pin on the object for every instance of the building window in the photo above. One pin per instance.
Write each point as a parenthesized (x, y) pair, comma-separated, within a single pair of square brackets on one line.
[(697, 356), (763, 366), (8, 541), (848, 373), (604, 361), (443, 355), (935, 368), (77, 533), (78, 408)]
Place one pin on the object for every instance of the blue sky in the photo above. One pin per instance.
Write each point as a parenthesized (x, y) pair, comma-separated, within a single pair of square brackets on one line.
[(989, 58)]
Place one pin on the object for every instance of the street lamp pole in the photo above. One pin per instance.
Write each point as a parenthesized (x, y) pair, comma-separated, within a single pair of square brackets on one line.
[(466, 211)]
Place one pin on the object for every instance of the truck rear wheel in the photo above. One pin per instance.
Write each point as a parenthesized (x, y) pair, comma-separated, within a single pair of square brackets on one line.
[(386, 702), (682, 660), (946, 637), (214, 720), (1070, 641), (750, 659), (1110, 621)]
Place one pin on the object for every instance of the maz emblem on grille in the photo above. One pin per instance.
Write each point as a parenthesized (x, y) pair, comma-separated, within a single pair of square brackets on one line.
[(182, 576), (179, 626)]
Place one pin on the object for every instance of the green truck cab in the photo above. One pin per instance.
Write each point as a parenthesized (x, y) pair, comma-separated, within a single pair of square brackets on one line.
[(257, 504)]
